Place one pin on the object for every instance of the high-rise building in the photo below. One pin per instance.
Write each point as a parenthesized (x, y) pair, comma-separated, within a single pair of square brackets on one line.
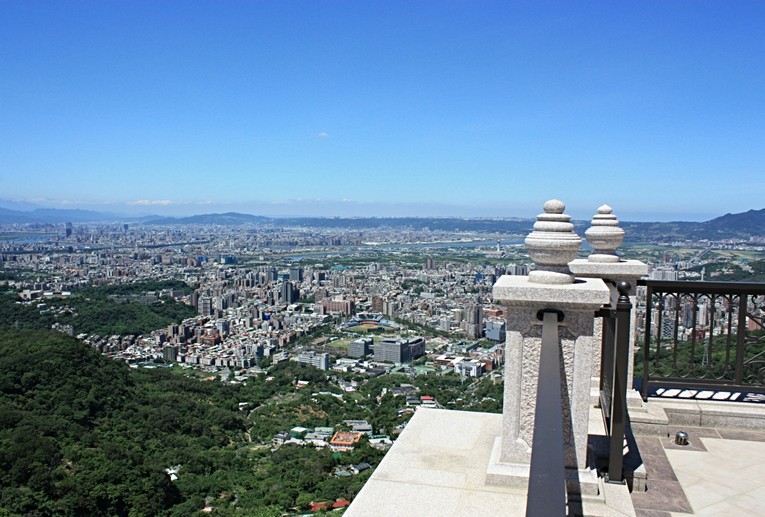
[(345, 307), (664, 274), (205, 305), (296, 274), (394, 350), (360, 347), (289, 293), (390, 308), (496, 330), (170, 353), (320, 294), (318, 360), (517, 269), (474, 321)]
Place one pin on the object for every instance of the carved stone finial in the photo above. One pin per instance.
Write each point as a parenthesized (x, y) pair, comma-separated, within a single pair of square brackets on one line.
[(604, 236), (552, 245)]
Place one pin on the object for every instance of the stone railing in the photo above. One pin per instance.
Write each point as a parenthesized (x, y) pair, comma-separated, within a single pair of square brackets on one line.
[(574, 291)]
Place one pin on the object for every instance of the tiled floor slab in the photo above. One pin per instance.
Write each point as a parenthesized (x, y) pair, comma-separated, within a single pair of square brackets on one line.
[(437, 467), (727, 479), (439, 470)]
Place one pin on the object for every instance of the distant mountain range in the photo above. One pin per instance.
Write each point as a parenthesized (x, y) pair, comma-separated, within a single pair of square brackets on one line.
[(54, 216), (61, 216), (728, 226), (229, 218)]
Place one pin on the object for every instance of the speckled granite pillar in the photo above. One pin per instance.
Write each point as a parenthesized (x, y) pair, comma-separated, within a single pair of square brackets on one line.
[(552, 287), (605, 236)]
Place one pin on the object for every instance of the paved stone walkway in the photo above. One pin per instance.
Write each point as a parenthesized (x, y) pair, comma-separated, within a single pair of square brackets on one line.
[(721, 472), (438, 467)]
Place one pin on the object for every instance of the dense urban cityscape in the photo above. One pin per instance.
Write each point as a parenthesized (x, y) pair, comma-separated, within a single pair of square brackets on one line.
[(263, 292), (404, 316), (382, 258)]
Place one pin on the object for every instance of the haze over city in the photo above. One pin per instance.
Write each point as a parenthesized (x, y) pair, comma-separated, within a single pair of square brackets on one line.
[(383, 108)]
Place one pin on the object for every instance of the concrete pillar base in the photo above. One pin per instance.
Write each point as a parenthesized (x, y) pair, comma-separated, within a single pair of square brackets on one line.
[(579, 482)]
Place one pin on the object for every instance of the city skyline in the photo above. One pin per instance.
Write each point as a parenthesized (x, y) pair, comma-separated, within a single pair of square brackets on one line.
[(383, 108)]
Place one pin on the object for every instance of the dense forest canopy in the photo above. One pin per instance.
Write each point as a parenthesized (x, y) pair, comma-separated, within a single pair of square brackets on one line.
[(81, 434), (95, 310)]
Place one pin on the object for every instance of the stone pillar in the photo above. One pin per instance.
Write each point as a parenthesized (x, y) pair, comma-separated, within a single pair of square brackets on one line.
[(552, 245), (605, 236)]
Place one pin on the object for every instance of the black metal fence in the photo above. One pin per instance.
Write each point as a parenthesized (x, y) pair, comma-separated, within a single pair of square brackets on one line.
[(613, 378), (706, 335)]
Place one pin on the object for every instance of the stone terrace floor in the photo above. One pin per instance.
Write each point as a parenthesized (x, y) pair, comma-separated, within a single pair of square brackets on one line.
[(720, 472), (438, 464)]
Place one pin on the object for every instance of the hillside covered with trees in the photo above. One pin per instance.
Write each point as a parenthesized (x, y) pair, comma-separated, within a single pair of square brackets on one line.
[(105, 310), (81, 434)]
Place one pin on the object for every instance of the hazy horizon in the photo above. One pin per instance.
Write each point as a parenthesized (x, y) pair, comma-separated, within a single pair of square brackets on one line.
[(351, 211), (384, 108)]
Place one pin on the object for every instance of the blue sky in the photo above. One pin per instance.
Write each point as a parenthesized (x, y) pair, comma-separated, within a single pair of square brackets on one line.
[(339, 108)]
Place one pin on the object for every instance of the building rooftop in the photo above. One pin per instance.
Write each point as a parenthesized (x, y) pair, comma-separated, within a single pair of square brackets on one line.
[(346, 438)]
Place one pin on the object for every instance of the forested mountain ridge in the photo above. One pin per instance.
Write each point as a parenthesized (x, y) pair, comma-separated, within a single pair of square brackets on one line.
[(98, 310), (729, 226), (81, 434)]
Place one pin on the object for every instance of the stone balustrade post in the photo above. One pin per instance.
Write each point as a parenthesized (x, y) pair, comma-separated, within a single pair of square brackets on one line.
[(605, 236), (551, 285)]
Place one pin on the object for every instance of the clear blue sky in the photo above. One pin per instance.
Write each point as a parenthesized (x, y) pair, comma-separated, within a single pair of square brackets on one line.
[(384, 107)]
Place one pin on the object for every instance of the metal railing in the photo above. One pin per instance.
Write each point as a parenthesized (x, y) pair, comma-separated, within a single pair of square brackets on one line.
[(707, 335), (547, 479), (613, 378)]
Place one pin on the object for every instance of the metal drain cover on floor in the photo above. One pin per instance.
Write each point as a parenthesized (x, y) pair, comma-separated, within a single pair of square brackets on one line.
[(681, 438)]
